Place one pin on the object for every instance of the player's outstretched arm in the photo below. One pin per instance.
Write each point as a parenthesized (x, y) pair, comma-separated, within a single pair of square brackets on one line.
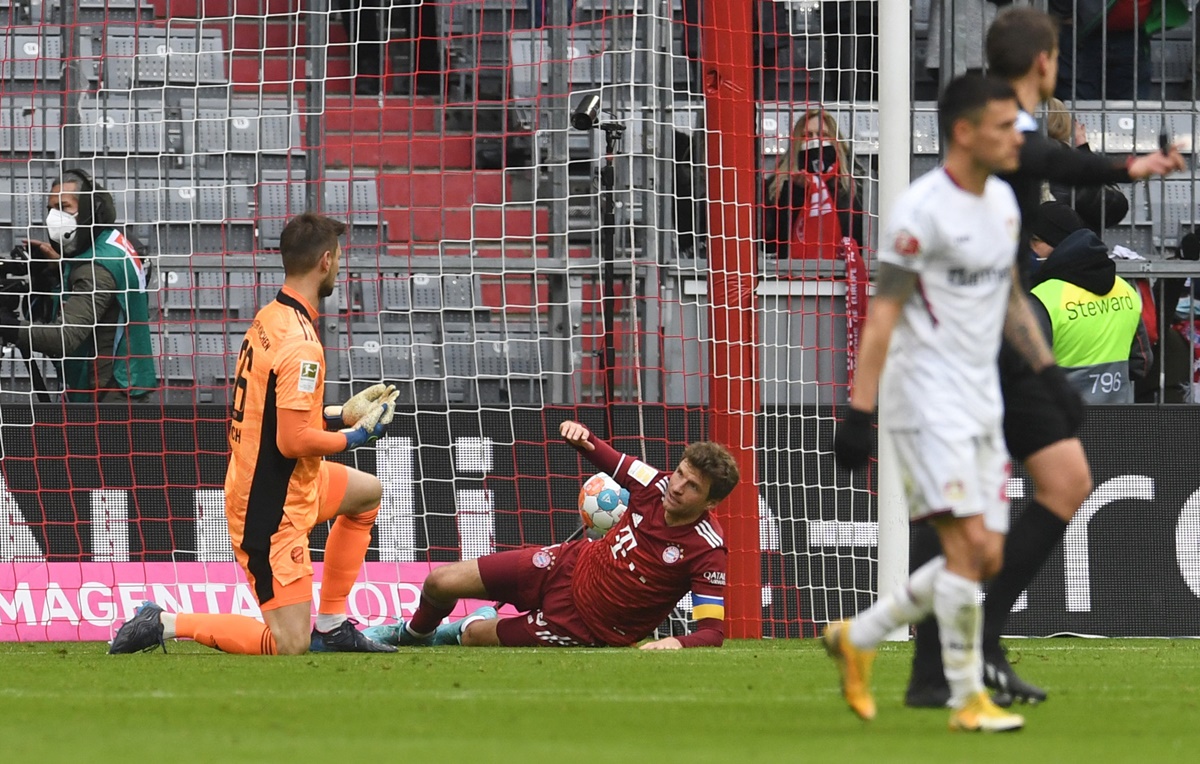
[(599, 453)]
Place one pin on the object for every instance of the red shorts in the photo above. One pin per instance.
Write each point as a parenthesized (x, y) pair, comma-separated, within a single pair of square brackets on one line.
[(536, 581)]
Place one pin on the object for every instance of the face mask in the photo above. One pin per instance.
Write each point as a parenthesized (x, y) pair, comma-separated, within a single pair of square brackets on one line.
[(60, 224), (819, 157)]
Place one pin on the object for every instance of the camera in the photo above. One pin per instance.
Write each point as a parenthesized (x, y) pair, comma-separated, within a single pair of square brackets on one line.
[(587, 114)]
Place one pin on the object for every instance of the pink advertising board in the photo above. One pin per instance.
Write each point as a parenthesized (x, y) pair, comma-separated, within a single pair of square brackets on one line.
[(65, 601)]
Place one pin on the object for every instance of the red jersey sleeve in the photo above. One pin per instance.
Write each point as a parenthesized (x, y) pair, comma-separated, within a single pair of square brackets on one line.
[(300, 377), (631, 473)]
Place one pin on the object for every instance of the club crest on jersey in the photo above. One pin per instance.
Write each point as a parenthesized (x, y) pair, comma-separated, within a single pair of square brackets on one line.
[(671, 555), (906, 244), (542, 559), (309, 371), (642, 472), (954, 491)]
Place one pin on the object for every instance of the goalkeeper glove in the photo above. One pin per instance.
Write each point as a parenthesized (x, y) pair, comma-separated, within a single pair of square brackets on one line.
[(348, 414), (854, 439), (371, 427)]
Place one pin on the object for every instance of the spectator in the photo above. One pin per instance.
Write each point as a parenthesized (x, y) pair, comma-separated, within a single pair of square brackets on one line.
[(1091, 316), (368, 25), (1100, 206), (102, 330), (1104, 47), (812, 199), (964, 50)]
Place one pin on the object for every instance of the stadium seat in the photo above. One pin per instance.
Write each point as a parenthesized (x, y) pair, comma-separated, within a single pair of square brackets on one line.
[(209, 289), (30, 125), (100, 11), (243, 135), (355, 199), (31, 58), (178, 296), (241, 302), (178, 351), (396, 358), (269, 282), (208, 215), (115, 124), (144, 56)]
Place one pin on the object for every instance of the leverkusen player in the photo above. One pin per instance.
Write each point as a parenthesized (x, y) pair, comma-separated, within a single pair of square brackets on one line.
[(278, 485), (611, 592)]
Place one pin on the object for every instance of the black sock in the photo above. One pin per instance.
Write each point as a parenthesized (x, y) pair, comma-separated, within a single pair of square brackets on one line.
[(923, 546), (1030, 541)]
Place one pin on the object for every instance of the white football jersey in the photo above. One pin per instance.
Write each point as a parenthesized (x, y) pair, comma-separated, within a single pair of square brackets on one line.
[(941, 365)]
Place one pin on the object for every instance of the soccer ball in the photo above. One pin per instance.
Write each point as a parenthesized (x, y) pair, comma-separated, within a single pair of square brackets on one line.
[(602, 501)]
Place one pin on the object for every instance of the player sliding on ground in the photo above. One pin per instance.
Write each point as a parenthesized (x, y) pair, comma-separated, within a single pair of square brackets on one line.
[(947, 289), (614, 591), (278, 486)]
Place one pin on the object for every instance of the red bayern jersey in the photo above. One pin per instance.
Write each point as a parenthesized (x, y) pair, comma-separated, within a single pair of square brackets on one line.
[(626, 584)]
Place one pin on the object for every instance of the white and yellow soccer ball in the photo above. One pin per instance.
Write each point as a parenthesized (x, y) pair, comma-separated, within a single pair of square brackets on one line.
[(602, 502)]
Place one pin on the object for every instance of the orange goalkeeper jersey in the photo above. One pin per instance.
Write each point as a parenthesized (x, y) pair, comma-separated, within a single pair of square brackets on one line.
[(281, 365)]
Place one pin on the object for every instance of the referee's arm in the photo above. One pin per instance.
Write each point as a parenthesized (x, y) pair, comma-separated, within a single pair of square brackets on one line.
[(1043, 158)]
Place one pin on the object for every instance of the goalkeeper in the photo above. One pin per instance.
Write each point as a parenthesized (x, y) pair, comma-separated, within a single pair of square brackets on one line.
[(278, 486)]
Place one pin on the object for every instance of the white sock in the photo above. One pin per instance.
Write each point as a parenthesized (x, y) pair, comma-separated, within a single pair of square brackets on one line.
[(960, 621), (908, 604), (327, 623), (168, 623)]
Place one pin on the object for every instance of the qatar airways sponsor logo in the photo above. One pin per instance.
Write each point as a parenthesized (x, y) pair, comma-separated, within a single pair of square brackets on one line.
[(715, 577)]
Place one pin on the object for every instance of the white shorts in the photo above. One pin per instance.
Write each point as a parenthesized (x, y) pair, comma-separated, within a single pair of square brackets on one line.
[(963, 476)]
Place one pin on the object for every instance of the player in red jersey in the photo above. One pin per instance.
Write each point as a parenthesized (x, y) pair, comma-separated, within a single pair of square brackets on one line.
[(614, 591)]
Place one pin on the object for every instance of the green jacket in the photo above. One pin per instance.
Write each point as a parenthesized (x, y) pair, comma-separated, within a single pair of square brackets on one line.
[(117, 353)]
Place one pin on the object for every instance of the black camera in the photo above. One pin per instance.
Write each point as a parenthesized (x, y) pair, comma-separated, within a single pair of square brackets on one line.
[(587, 114), (26, 285)]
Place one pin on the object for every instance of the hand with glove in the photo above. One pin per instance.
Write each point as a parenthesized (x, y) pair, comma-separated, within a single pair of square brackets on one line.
[(854, 439), (349, 413), (1064, 395), (373, 424)]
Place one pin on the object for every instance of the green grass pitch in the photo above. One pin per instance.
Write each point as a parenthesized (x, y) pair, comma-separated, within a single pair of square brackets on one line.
[(768, 701)]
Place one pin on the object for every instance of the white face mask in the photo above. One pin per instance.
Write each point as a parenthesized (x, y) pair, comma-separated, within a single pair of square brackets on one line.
[(60, 224)]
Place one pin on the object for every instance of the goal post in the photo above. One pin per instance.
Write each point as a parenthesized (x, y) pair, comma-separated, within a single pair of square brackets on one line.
[(727, 71)]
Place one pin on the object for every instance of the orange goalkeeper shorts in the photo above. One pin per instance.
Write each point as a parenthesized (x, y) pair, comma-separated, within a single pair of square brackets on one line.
[(282, 573)]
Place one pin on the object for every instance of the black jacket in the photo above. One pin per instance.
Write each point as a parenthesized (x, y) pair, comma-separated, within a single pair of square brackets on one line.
[(1100, 206), (1045, 159)]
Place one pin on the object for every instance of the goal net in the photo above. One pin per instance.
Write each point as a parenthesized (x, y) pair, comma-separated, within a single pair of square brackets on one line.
[(605, 210)]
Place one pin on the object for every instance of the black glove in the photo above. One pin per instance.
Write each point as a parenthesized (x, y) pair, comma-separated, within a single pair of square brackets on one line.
[(854, 439), (1064, 395)]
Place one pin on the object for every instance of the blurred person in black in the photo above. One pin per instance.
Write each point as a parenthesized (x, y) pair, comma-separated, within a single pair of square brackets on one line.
[(1022, 47)]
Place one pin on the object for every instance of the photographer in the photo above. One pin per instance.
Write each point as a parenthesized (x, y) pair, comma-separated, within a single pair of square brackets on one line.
[(100, 329)]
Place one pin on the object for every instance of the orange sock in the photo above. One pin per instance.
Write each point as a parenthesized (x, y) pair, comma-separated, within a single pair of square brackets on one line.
[(237, 634), (344, 554)]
